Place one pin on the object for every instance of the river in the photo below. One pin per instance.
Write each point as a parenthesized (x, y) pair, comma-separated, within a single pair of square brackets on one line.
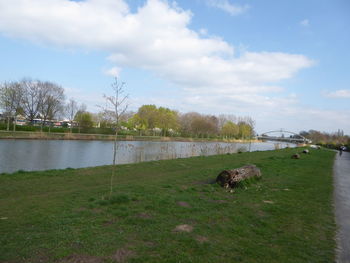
[(32, 155)]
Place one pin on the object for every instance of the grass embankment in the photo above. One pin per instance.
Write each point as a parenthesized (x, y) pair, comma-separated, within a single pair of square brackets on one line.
[(60, 215)]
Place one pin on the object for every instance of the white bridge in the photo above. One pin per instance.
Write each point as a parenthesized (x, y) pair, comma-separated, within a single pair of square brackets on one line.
[(291, 136)]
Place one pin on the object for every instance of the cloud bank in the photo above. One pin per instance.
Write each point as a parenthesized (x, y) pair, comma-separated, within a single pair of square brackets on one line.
[(158, 38)]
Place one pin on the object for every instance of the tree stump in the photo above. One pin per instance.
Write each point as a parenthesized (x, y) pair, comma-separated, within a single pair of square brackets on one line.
[(230, 178)]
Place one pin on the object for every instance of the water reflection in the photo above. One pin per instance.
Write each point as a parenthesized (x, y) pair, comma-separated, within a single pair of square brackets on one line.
[(32, 155)]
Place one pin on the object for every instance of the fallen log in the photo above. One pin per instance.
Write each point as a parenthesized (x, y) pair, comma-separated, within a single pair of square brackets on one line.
[(230, 178)]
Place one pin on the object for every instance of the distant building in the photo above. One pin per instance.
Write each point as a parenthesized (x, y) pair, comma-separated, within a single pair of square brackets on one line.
[(20, 120)]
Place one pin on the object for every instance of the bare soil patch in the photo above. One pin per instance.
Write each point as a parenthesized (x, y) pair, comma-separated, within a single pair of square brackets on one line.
[(202, 239), (183, 228), (268, 202)]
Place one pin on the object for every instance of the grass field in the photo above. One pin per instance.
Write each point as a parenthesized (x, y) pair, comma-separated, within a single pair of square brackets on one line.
[(62, 215)]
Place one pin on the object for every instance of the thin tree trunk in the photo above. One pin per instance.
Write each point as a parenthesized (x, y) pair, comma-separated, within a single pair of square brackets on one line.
[(8, 123), (14, 124), (114, 161)]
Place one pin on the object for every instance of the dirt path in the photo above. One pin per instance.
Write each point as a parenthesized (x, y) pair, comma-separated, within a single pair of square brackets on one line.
[(342, 206)]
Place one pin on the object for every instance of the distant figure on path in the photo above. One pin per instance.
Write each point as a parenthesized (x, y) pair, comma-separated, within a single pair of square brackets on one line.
[(341, 149)]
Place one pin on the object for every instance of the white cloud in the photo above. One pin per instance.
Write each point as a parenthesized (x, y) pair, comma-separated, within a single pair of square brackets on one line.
[(203, 31), (157, 38), (228, 7), (338, 94), (305, 23), (91, 99), (114, 72)]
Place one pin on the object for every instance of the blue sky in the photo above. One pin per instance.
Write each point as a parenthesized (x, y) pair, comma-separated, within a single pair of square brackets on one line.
[(284, 63)]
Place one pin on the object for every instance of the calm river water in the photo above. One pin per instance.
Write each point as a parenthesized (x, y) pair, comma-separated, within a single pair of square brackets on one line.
[(31, 155)]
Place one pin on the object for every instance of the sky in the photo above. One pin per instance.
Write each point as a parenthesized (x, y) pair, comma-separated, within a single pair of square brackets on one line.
[(286, 64)]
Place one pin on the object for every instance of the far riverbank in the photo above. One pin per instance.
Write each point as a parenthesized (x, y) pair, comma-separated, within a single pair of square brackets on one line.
[(106, 137)]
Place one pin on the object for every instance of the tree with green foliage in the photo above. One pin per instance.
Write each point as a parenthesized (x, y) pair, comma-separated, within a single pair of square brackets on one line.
[(136, 122), (167, 120), (148, 116), (78, 116), (230, 130), (245, 130), (84, 118)]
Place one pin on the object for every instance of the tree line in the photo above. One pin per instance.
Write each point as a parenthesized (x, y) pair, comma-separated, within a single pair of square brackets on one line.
[(192, 124), (35, 99), (331, 140)]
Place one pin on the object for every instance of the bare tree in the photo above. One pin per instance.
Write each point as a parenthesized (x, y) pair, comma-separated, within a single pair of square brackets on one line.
[(32, 98), (116, 104), (71, 110), (52, 99), (11, 95), (224, 118), (186, 121), (106, 118)]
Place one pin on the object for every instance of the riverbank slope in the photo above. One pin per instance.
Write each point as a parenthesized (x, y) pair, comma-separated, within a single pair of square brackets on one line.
[(167, 211)]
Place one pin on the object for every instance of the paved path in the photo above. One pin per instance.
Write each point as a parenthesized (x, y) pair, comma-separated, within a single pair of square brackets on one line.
[(342, 206)]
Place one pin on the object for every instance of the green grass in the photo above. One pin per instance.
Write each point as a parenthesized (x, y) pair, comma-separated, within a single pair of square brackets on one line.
[(65, 215)]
